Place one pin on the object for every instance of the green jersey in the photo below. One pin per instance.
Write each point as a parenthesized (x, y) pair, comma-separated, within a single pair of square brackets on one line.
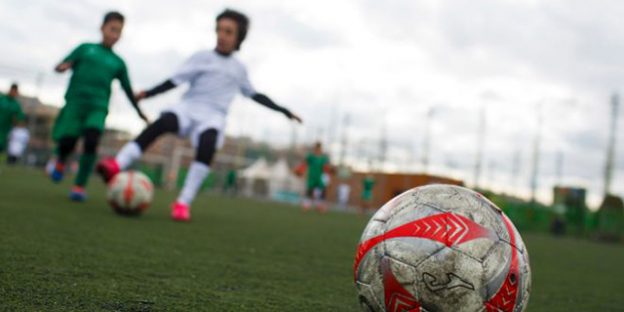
[(367, 188), (10, 111), (230, 179), (94, 67), (316, 165)]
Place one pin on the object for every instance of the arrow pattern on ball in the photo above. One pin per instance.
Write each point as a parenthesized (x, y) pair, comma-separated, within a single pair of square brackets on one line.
[(447, 228)]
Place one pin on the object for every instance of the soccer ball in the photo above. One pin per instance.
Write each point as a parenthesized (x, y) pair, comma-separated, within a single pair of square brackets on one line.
[(441, 248), (130, 192)]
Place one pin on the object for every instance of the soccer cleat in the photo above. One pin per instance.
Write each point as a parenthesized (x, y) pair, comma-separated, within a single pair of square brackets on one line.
[(180, 212), (107, 168), (57, 172), (306, 205), (78, 194)]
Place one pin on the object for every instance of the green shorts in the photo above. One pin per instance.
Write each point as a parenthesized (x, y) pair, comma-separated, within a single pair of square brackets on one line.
[(75, 117)]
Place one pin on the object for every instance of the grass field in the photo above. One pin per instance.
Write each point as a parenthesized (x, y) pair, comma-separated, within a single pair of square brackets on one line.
[(236, 255)]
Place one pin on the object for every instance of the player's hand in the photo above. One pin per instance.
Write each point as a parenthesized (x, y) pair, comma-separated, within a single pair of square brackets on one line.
[(147, 121), (295, 118), (139, 96), (63, 67)]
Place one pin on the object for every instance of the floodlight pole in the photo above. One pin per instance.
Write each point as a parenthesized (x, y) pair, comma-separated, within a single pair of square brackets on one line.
[(559, 168), (343, 143), (515, 170), (427, 140), (536, 153), (608, 174), (480, 144), (383, 144)]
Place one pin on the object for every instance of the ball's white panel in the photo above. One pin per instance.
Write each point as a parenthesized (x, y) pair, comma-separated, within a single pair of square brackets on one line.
[(368, 269), (496, 265), (412, 251), (130, 192)]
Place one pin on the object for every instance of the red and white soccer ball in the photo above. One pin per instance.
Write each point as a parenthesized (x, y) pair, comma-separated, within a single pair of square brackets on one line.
[(441, 248), (130, 192)]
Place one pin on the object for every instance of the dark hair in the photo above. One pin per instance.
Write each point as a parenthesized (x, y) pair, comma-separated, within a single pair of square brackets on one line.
[(14, 86), (113, 16), (241, 20)]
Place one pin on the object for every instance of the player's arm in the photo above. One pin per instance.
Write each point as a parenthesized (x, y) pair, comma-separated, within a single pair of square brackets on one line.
[(69, 60), (127, 87), (161, 88), (267, 102), (248, 90)]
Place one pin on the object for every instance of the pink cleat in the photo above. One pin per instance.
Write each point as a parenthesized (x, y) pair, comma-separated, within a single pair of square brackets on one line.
[(180, 212), (107, 168)]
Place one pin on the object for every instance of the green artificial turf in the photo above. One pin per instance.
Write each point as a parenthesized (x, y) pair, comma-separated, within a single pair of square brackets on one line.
[(236, 255)]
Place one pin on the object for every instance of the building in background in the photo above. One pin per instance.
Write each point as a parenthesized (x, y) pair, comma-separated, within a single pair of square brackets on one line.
[(387, 185), (39, 121)]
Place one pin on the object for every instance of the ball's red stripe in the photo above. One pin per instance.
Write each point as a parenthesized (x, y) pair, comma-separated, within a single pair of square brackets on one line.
[(505, 299), (129, 191), (396, 298)]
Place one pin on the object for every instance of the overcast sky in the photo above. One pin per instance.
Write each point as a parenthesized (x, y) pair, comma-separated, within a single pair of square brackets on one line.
[(385, 64)]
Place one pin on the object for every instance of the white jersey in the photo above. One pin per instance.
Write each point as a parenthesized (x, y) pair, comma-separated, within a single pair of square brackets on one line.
[(18, 139), (214, 81)]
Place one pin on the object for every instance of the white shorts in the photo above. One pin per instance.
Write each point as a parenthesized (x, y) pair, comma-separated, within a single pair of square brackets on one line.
[(18, 140), (193, 124)]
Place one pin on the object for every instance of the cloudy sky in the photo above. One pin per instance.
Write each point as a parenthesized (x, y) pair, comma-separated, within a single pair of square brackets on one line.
[(394, 69)]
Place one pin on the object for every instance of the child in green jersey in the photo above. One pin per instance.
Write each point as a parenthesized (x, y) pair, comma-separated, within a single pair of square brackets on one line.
[(367, 192), (94, 67), (317, 167), (10, 113)]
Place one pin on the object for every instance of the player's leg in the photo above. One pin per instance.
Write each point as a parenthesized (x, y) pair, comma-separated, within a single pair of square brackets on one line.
[(64, 147), (200, 168), (3, 141), (12, 160), (93, 123), (308, 197), (2, 148), (91, 139), (67, 128), (133, 150), (320, 202)]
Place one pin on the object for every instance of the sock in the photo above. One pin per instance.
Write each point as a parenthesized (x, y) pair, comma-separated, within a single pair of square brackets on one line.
[(306, 203), (87, 162), (195, 177), (59, 166), (128, 154)]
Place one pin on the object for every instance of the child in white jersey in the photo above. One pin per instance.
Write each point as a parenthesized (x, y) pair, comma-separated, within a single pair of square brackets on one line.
[(215, 76), (18, 140)]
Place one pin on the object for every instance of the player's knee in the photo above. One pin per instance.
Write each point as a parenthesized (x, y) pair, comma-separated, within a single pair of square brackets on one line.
[(66, 144), (92, 138), (207, 146), (168, 122)]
